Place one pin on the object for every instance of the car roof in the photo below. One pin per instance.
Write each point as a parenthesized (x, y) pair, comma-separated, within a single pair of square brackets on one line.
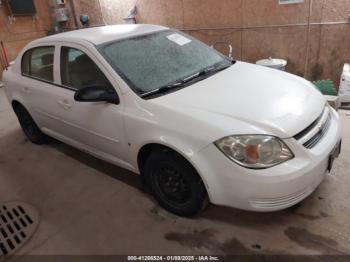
[(104, 34)]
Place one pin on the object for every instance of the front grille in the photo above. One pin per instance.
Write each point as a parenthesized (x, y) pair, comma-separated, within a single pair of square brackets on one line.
[(309, 128), (316, 138), (310, 136)]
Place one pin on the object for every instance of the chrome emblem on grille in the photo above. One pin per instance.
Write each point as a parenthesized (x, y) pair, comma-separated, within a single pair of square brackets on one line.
[(320, 126)]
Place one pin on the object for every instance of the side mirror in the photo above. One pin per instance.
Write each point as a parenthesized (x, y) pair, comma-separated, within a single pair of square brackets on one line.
[(96, 94)]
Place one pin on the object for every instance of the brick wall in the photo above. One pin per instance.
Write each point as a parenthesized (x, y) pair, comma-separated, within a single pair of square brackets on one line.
[(16, 34)]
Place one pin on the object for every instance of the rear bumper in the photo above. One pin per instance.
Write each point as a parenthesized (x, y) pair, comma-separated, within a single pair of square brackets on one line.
[(269, 189)]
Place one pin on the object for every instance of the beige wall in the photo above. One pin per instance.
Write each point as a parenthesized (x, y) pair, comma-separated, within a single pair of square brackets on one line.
[(90, 7), (256, 28)]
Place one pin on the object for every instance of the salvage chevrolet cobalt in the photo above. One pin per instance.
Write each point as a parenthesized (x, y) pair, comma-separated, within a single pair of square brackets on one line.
[(196, 125)]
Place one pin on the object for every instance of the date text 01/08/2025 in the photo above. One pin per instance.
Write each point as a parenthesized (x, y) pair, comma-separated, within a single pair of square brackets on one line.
[(173, 258)]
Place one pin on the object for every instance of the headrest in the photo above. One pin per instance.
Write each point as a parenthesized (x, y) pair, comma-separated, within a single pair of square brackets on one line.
[(47, 59), (83, 60)]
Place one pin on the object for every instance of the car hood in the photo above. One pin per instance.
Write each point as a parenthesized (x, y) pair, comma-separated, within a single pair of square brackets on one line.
[(278, 102)]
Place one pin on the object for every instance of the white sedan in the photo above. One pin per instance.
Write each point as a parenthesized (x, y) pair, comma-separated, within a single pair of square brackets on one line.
[(195, 124)]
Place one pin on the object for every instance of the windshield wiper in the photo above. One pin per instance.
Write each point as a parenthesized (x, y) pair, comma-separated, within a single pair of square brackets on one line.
[(204, 72), (209, 70), (221, 67), (185, 80), (162, 89)]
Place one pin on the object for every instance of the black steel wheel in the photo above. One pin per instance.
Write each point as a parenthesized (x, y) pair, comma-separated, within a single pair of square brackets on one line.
[(172, 184), (175, 184), (29, 127)]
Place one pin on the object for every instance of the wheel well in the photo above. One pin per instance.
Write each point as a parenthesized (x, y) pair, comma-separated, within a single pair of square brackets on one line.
[(147, 150), (15, 104)]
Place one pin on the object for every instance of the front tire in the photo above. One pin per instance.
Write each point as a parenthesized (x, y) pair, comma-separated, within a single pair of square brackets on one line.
[(175, 184), (29, 127)]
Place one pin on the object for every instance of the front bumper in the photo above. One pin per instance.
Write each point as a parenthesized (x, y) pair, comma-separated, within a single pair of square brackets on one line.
[(269, 189)]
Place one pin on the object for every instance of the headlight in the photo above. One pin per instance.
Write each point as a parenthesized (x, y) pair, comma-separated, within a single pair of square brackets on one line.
[(255, 151)]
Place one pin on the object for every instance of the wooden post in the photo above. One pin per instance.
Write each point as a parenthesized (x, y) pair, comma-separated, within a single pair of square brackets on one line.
[(4, 63)]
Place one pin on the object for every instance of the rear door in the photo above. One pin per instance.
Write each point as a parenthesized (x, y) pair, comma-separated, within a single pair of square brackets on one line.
[(38, 85)]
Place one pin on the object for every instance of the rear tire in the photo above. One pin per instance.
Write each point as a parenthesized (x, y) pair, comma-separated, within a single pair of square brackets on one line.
[(29, 127), (175, 184)]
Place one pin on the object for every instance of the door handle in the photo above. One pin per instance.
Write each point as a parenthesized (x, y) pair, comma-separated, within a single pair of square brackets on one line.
[(64, 103), (26, 90)]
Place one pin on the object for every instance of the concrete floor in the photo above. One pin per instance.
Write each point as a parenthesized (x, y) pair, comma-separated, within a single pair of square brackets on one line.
[(90, 207)]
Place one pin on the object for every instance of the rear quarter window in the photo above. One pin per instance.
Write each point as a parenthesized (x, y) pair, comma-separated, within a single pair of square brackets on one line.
[(38, 63)]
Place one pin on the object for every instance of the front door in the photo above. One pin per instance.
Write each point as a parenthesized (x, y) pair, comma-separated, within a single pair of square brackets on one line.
[(97, 127)]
